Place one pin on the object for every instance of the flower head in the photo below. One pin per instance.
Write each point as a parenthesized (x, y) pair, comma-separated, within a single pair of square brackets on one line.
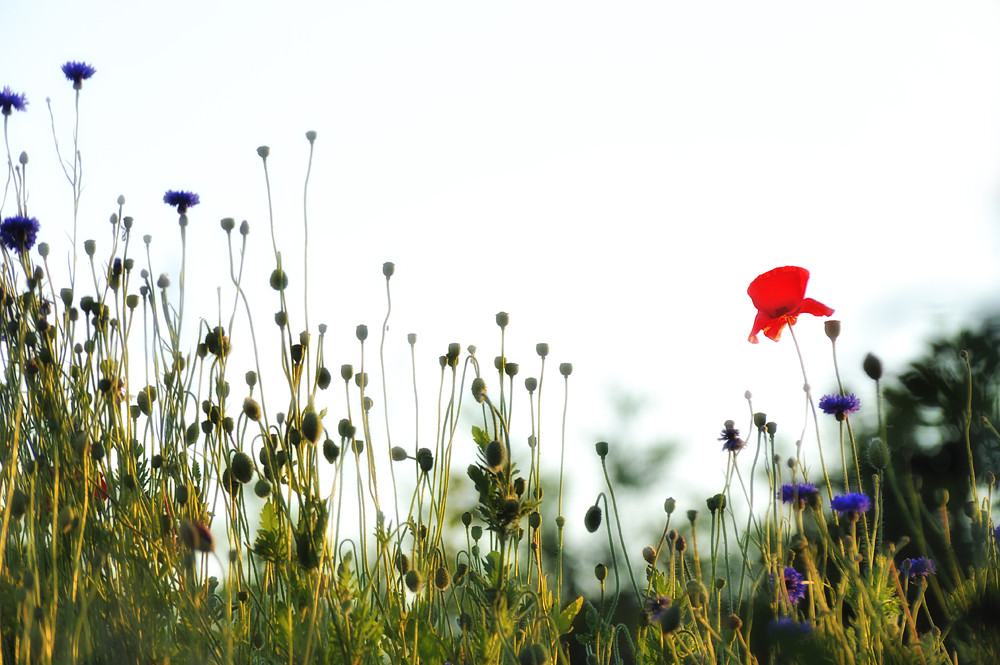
[(794, 585), (731, 438), (779, 296), (656, 607), (788, 626), (854, 502), (19, 232), (801, 492), (840, 406), (11, 101), (181, 200), (77, 72), (921, 567)]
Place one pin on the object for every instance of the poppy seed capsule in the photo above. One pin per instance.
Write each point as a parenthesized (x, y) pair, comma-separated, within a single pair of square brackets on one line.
[(692, 515), (496, 455), (760, 420), (535, 520), (669, 506), (566, 369), (388, 268), (503, 319), (530, 384), (601, 572), (361, 332), (592, 520), (411, 339), (279, 279), (542, 349), (832, 329), (312, 427), (228, 224), (398, 454), (602, 449), (181, 494), (281, 318), (511, 369), (346, 372)]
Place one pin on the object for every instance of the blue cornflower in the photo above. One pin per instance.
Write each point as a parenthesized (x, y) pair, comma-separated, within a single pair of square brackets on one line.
[(789, 626), (794, 585), (19, 232), (854, 502), (804, 491), (656, 607), (920, 567), (840, 406), (996, 533), (182, 200), (731, 438), (11, 101), (77, 72)]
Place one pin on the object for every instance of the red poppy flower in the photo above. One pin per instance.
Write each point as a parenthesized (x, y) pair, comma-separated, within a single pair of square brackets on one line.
[(779, 296)]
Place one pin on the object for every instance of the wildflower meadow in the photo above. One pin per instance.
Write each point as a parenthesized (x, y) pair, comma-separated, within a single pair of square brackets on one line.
[(164, 500)]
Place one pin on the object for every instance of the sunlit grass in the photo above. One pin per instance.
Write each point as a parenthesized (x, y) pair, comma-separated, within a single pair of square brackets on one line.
[(113, 486)]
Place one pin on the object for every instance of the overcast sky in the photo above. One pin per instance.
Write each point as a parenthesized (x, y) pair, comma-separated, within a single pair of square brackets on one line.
[(612, 174)]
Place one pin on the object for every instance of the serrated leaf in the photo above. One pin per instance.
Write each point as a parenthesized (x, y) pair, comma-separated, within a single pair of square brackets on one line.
[(565, 619), (268, 518)]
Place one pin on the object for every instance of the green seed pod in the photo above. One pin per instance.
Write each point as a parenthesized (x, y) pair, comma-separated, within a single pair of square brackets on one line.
[(592, 520), (692, 515), (760, 420), (476, 532), (279, 279), (414, 581), (542, 349), (361, 332), (398, 454), (467, 518), (181, 495), (602, 449), (670, 505), (262, 488), (496, 456), (442, 579), (312, 427), (511, 369), (832, 329), (649, 555), (402, 563), (566, 369), (531, 384), (97, 451), (601, 572), (242, 467)]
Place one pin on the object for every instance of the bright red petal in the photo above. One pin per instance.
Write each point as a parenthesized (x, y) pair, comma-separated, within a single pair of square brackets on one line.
[(779, 291), (814, 307)]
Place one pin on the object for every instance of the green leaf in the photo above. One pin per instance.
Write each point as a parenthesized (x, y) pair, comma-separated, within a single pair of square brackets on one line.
[(565, 619), (480, 437)]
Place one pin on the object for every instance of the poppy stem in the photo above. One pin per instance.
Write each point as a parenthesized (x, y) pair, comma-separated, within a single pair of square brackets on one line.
[(812, 407)]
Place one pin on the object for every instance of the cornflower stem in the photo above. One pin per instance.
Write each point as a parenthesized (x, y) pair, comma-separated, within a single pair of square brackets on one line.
[(385, 393), (966, 433)]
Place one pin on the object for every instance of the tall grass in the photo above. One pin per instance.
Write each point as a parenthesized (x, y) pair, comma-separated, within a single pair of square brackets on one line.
[(130, 533)]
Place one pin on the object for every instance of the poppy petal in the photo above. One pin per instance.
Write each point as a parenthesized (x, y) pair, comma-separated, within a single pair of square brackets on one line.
[(779, 291), (814, 307)]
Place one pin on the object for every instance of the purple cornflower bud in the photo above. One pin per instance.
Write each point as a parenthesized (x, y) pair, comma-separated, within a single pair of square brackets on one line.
[(921, 567), (731, 438)]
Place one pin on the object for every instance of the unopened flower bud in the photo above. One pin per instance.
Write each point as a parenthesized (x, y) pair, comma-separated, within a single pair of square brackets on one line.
[(601, 572), (872, 366), (479, 390), (649, 555), (878, 453), (592, 520)]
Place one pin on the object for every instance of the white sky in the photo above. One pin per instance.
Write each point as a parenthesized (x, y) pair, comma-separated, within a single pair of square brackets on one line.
[(613, 175)]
